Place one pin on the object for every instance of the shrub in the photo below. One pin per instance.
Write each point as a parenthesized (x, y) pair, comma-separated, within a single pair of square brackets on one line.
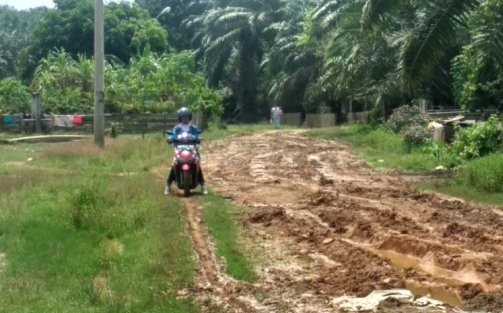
[(415, 136), (14, 97), (406, 116), (479, 140)]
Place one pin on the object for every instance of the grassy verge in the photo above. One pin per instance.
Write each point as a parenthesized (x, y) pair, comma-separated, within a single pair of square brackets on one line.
[(90, 231), (220, 216), (479, 180), (465, 192)]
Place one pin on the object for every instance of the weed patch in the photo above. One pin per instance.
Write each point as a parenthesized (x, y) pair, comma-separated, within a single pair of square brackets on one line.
[(484, 174)]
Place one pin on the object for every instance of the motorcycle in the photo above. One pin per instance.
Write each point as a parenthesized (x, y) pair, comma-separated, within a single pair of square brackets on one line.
[(186, 162)]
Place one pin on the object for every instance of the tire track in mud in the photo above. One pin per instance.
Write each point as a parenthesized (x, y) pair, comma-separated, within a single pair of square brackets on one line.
[(327, 225), (214, 289)]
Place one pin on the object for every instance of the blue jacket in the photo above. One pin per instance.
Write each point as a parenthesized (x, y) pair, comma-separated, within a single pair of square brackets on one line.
[(178, 129)]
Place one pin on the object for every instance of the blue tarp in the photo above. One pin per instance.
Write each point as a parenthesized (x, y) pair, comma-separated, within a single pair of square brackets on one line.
[(9, 119)]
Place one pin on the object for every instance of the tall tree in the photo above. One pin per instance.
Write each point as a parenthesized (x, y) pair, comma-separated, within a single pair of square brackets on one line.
[(232, 42), (424, 45), (128, 30), (478, 70), (173, 19)]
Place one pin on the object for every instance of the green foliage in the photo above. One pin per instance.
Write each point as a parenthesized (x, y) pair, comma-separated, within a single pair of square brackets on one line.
[(231, 47), (478, 140), (114, 130), (477, 70), (149, 34), (16, 33), (65, 85), (485, 173), (301, 55), (441, 152), (176, 20), (14, 96), (406, 116), (160, 84), (128, 31), (150, 84)]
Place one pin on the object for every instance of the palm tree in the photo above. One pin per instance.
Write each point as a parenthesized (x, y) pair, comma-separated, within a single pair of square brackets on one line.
[(478, 69), (291, 63), (232, 44), (423, 45)]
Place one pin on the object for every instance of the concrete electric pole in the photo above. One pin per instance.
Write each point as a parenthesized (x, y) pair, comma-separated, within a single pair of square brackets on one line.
[(99, 79)]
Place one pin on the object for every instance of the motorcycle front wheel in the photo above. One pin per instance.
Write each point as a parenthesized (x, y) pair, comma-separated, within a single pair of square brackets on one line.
[(186, 183)]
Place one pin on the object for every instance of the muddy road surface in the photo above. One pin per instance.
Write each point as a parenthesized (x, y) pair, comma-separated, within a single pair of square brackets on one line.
[(322, 225)]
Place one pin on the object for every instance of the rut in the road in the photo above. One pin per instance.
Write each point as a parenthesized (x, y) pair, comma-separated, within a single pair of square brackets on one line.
[(214, 287), (346, 229)]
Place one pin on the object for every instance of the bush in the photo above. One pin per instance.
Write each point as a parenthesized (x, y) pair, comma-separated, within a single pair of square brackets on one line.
[(485, 173), (479, 140), (406, 116), (14, 97), (415, 136)]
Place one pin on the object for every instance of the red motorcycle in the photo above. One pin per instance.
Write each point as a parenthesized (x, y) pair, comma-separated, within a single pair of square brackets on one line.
[(186, 162)]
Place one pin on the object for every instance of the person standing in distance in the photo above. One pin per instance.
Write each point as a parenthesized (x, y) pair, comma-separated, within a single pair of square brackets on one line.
[(276, 113)]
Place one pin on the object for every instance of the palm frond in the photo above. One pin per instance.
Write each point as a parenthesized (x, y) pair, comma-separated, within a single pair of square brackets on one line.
[(374, 10), (426, 45)]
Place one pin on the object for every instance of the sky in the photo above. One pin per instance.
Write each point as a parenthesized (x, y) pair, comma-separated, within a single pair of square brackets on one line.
[(27, 4)]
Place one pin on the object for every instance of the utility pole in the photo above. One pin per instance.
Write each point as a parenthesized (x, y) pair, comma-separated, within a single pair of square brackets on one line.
[(99, 79)]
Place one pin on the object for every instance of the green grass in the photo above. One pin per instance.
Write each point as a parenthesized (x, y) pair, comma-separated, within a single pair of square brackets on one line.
[(220, 216), (485, 173), (380, 148), (478, 180), (79, 238)]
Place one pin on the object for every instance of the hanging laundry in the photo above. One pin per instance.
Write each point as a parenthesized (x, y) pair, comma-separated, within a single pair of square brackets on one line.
[(9, 119), (63, 120), (78, 120)]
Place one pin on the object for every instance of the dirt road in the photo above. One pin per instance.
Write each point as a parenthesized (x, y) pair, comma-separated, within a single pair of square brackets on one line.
[(323, 225)]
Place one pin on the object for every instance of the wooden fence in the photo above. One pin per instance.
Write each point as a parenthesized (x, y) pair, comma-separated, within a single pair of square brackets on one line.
[(294, 119), (358, 117), (320, 120), (446, 114), (125, 123)]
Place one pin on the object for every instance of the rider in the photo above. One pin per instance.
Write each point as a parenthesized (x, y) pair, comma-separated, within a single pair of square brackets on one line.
[(185, 126)]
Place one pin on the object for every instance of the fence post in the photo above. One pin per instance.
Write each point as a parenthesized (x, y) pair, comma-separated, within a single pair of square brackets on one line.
[(36, 111)]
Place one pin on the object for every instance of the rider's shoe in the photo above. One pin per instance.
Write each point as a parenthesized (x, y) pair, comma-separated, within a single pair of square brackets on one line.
[(167, 190), (204, 191)]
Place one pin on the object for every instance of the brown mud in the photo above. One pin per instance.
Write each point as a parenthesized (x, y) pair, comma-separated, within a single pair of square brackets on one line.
[(324, 225)]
